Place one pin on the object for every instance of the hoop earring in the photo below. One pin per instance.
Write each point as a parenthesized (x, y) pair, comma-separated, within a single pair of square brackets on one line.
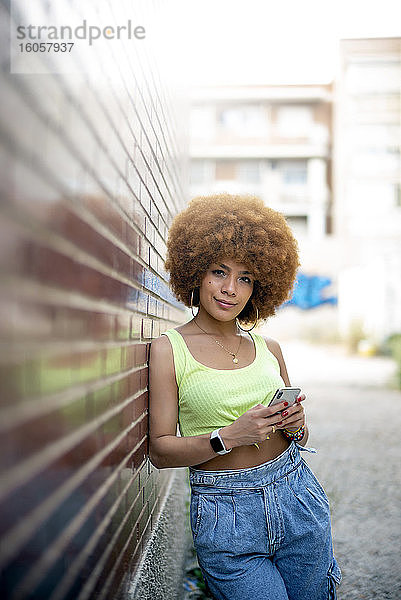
[(254, 325), (192, 308)]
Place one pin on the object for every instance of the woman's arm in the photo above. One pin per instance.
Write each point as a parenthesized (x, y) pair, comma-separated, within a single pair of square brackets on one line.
[(296, 414), (166, 449)]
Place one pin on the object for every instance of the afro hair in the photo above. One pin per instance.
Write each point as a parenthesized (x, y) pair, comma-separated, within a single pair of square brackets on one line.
[(239, 227)]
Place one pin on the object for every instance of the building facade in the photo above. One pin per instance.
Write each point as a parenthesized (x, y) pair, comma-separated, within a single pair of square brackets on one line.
[(367, 185), (271, 141), (328, 158)]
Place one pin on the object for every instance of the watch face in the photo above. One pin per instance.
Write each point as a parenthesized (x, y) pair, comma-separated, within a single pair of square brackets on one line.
[(216, 444)]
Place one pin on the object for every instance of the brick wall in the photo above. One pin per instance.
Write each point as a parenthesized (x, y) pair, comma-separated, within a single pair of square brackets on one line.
[(93, 171)]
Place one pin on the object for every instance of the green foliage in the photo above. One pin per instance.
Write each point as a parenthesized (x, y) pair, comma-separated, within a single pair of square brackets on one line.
[(194, 584), (197, 573), (393, 343)]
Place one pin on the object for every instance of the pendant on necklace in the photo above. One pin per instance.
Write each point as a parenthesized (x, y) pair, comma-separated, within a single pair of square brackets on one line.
[(235, 360)]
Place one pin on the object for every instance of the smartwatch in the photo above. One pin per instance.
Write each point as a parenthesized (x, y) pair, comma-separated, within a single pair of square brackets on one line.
[(217, 443)]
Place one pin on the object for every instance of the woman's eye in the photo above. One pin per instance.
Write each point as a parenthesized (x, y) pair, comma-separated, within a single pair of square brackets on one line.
[(219, 273)]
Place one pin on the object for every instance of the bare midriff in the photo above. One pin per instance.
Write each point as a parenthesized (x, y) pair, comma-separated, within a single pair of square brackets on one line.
[(244, 457)]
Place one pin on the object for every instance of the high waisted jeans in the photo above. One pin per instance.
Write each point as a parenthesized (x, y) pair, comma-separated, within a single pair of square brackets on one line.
[(264, 533)]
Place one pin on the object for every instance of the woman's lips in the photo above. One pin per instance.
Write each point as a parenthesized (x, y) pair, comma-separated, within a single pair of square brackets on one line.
[(224, 305)]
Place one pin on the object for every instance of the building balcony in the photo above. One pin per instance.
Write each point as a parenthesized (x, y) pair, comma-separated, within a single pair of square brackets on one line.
[(280, 200), (267, 151)]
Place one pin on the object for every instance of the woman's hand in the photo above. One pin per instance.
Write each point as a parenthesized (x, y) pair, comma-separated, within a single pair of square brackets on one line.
[(294, 417), (254, 426)]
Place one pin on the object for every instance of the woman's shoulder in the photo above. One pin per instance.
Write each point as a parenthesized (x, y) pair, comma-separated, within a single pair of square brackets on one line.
[(272, 345), (185, 331), (160, 345), (165, 339)]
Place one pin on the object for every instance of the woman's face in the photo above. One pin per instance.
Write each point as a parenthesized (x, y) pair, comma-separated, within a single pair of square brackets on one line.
[(226, 288)]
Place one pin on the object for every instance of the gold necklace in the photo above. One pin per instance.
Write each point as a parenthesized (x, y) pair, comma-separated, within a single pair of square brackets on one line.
[(233, 354)]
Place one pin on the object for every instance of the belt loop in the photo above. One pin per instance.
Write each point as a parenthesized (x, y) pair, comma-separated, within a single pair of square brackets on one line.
[(208, 479), (202, 479)]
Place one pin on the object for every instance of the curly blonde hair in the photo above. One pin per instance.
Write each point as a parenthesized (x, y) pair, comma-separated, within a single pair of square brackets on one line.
[(239, 227)]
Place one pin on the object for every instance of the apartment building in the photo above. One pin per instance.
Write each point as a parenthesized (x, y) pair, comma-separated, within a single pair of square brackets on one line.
[(271, 141), (367, 184)]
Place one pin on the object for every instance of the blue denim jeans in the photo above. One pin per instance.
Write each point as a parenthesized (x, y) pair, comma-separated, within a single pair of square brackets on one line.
[(264, 533)]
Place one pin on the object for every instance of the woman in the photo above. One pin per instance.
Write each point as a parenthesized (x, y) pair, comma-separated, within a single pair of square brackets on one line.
[(260, 519)]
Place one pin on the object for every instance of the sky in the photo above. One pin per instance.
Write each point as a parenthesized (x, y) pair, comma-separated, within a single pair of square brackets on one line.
[(265, 41)]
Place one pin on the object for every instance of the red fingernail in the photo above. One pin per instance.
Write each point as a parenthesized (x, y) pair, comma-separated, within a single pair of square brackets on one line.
[(285, 403), (284, 414), (279, 423)]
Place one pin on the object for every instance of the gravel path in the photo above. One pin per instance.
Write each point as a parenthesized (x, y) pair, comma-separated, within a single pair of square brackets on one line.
[(355, 423)]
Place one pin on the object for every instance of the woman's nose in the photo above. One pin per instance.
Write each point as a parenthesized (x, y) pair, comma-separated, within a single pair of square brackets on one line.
[(229, 285)]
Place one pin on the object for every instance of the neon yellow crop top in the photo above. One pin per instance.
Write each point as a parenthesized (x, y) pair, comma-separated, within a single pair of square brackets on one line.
[(211, 398)]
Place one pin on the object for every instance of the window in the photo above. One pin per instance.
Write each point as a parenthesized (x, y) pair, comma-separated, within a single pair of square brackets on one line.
[(226, 169), (380, 76), (249, 171), (294, 121), (243, 121), (198, 172), (374, 135), (294, 172), (375, 163), (299, 225)]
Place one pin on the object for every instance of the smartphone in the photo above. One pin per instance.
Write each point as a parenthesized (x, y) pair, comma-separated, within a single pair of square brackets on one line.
[(285, 394)]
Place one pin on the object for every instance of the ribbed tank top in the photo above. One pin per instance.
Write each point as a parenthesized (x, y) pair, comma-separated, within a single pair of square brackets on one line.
[(210, 398)]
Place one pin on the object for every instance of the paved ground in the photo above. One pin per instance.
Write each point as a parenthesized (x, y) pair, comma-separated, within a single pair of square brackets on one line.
[(355, 423)]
